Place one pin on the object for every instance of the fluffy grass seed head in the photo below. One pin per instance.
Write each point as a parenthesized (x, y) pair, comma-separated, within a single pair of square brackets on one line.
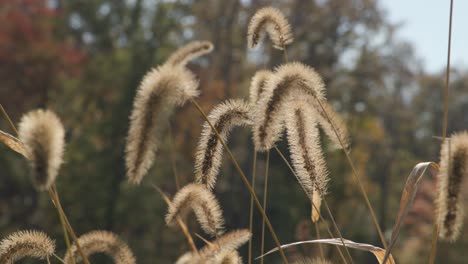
[(44, 138), (306, 152), (102, 242), (291, 79), (224, 117), (271, 21), (222, 249), (160, 90), (26, 244), (453, 172), (204, 204), (189, 52), (312, 261), (223, 257), (257, 85)]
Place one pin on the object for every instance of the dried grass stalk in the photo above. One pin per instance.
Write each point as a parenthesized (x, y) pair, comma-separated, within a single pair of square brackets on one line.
[(160, 90), (291, 79), (102, 242), (26, 244), (272, 21), (453, 171), (224, 117), (204, 204), (189, 52), (44, 138), (306, 152), (257, 85)]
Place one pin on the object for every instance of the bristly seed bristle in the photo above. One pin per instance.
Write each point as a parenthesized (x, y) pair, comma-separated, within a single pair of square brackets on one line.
[(160, 90), (453, 172), (291, 79), (272, 21), (43, 135), (26, 244), (102, 242), (204, 204), (189, 52), (223, 247), (224, 117)]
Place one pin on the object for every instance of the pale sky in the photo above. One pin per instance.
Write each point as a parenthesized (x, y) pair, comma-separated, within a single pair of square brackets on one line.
[(425, 24)]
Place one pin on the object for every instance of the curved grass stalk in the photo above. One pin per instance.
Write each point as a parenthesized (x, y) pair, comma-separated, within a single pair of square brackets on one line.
[(245, 180)]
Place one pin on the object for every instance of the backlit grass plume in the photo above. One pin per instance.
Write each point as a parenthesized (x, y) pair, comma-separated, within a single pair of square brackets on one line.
[(224, 117), (23, 244), (257, 85), (204, 204), (102, 242), (44, 138), (306, 152), (453, 171), (312, 261), (271, 21), (291, 79), (160, 90), (189, 52), (224, 257)]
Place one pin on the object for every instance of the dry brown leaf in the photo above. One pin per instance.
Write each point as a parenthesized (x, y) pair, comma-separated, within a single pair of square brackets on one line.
[(378, 252), (407, 197), (13, 143)]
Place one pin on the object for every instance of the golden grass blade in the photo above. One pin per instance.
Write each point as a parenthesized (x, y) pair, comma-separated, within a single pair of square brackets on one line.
[(378, 252), (13, 143), (407, 198)]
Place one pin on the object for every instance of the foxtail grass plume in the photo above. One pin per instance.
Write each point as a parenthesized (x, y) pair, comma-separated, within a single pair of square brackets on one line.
[(271, 21), (222, 250), (453, 172), (23, 244), (101, 242), (312, 261), (224, 257), (306, 152), (257, 85), (44, 138), (189, 52), (204, 204), (160, 90), (224, 117), (291, 79)]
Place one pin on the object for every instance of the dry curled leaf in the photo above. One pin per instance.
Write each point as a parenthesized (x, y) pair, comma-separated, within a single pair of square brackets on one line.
[(378, 252), (407, 198), (13, 143)]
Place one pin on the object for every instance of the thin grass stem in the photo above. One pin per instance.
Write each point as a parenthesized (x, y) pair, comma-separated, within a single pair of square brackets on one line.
[(59, 258), (173, 156), (265, 194), (67, 223), (246, 182), (317, 232), (435, 229), (315, 207), (7, 117), (64, 228), (356, 177), (254, 169)]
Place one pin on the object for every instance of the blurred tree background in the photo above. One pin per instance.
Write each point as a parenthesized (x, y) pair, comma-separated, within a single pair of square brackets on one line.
[(85, 59)]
